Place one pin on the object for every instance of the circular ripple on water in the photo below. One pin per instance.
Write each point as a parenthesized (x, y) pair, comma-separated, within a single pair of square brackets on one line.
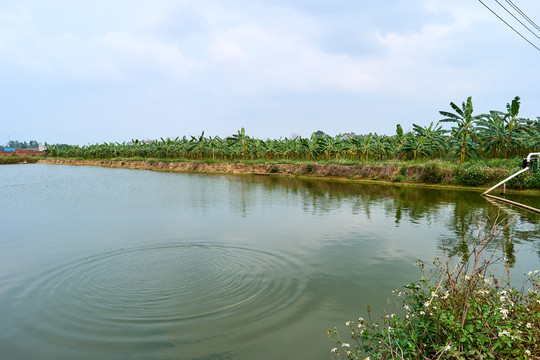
[(163, 294)]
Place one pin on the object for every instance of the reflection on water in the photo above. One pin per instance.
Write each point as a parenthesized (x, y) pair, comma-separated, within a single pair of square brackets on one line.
[(124, 264)]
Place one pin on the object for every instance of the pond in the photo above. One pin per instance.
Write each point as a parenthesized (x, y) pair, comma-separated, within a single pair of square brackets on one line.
[(100, 263)]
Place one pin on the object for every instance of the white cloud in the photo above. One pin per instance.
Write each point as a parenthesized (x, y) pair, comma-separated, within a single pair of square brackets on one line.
[(127, 51), (301, 64), (277, 56)]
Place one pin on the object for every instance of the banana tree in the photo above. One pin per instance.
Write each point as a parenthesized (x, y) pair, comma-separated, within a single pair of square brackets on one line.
[(512, 121), (465, 124)]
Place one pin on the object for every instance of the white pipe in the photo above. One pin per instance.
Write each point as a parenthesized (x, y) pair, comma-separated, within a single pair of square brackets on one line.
[(531, 154), (505, 180)]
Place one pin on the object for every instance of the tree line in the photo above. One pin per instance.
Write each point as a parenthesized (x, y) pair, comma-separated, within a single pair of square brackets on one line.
[(15, 144), (497, 134)]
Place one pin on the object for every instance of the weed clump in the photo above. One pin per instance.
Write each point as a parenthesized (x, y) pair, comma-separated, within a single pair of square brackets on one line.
[(459, 310), (433, 173), (475, 175)]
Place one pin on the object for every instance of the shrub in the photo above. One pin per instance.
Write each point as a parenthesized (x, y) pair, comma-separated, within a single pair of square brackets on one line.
[(274, 169), (459, 310), (474, 175), (403, 170), (309, 168), (521, 181), (533, 181), (399, 178), (432, 174)]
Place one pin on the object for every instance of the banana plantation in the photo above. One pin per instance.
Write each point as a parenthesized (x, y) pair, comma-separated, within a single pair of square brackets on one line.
[(497, 134)]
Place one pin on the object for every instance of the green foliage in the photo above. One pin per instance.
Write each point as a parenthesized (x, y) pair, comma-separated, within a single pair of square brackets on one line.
[(475, 175), (465, 125), (399, 178), (459, 310), (527, 180), (493, 136), (433, 173), (274, 169), (533, 181), (403, 170)]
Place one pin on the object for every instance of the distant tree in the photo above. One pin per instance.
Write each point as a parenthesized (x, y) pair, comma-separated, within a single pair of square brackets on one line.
[(319, 134), (15, 144)]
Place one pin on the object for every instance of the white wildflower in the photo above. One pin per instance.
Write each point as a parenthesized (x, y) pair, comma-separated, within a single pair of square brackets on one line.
[(333, 350)]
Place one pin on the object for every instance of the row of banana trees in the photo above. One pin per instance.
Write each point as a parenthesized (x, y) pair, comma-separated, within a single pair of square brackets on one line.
[(493, 135)]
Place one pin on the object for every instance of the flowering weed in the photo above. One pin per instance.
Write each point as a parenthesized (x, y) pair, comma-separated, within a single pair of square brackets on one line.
[(459, 310)]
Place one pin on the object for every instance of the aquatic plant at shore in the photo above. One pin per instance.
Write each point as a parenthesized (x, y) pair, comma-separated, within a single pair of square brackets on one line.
[(458, 310)]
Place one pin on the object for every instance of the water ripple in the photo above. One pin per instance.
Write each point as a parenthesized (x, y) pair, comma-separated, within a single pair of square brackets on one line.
[(173, 293)]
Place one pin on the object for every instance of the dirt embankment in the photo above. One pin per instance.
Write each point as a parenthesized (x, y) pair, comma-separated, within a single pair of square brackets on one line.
[(381, 172), (22, 152), (415, 174)]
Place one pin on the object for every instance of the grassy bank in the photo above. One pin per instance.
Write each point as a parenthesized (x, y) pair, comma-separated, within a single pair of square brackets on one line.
[(9, 160)]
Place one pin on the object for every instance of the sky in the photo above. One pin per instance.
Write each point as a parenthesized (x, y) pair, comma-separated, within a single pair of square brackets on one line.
[(86, 72)]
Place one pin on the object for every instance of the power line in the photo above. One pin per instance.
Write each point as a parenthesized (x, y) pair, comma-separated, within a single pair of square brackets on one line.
[(523, 14), (510, 26), (514, 16)]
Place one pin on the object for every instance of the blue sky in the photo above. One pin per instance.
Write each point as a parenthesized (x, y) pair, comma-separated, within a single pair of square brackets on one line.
[(115, 70)]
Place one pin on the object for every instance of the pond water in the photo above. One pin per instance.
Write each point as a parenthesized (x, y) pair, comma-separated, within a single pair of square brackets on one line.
[(102, 263)]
